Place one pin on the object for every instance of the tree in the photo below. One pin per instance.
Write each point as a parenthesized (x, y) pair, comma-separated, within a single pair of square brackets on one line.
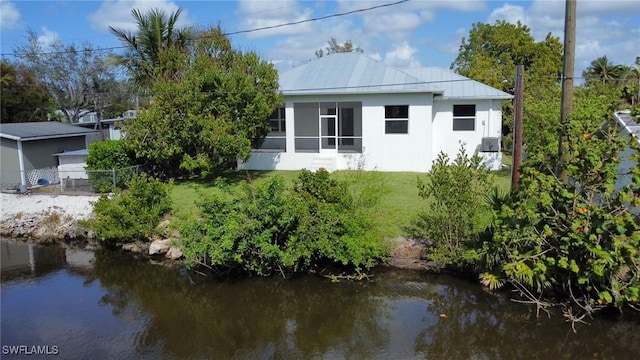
[(618, 83), (22, 99), (156, 31), (208, 115), (334, 47), (601, 69), (491, 52), (578, 241), (77, 78), (109, 166)]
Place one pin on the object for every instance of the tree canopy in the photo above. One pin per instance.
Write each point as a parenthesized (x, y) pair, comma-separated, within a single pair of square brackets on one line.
[(79, 79), (210, 113), (335, 47), (491, 52), (156, 31), (22, 98)]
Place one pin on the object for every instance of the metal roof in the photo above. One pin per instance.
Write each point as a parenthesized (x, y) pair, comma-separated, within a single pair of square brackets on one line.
[(628, 123), (81, 152), (457, 86), (41, 130), (348, 73), (356, 73)]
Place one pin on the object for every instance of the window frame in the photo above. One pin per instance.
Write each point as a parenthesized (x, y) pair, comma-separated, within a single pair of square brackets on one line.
[(399, 116), (464, 116), (279, 119)]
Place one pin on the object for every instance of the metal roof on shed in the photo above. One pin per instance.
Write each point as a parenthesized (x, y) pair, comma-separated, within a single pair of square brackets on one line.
[(356, 73), (41, 130), (81, 152)]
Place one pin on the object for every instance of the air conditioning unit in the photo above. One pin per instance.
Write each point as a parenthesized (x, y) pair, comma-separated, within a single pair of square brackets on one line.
[(490, 144)]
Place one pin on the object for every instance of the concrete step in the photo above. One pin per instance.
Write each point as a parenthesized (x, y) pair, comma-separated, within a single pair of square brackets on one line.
[(327, 162)]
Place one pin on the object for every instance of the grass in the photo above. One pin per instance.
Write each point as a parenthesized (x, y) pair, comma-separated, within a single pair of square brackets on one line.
[(397, 206)]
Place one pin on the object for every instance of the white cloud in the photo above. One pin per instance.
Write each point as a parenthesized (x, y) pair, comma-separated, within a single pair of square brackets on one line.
[(402, 56), (48, 37), (118, 13), (9, 15), (258, 14), (509, 13), (393, 23), (602, 27)]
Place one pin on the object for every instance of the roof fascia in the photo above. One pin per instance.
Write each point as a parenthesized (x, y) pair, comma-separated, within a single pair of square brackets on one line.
[(311, 93), (45, 137)]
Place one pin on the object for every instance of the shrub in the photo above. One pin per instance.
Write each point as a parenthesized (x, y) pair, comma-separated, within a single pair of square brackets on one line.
[(576, 240), (131, 215), (456, 193), (108, 165), (267, 228)]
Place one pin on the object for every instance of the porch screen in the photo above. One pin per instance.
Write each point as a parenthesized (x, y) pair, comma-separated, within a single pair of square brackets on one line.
[(306, 127)]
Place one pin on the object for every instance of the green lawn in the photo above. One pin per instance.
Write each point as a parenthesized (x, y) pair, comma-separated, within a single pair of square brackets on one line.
[(397, 207)]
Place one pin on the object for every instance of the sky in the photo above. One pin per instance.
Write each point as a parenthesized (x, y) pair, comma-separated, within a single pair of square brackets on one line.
[(414, 33)]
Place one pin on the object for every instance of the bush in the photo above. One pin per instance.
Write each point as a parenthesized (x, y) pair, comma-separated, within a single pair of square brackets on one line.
[(456, 212), (267, 228), (575, 240), (131, 215), (109, 166)]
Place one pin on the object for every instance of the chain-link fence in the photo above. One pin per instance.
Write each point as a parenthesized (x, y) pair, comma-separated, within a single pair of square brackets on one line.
[(65, 180)]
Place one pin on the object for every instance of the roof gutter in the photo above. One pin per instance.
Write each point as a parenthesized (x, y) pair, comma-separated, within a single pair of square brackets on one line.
[(45, 137), (354, 92)]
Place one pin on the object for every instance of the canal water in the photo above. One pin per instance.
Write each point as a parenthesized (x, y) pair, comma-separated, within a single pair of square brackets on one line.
[(108, 305)]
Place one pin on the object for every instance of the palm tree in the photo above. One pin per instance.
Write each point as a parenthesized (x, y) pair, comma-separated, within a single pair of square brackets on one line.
[(156, 31), (603, 70)]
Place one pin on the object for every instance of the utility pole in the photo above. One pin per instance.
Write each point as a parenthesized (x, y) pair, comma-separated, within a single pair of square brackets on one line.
[(567, 85), (518, 104)]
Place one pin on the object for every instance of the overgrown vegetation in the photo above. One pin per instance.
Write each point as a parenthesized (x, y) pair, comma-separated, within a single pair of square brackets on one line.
[(133, 214), (109, 166), (577, 240), (269, 228), (210, 113), (456, 191)]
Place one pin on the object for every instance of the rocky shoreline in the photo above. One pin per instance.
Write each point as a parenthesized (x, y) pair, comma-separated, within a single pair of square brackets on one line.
[(50, 219)]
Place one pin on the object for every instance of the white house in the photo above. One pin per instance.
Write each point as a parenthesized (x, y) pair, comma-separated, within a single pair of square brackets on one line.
[(342, 107)]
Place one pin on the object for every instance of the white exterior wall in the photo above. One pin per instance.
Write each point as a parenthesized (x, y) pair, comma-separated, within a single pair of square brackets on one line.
[(383, 152), (114, 132), (72, 167), (488, 124), (398, 152)]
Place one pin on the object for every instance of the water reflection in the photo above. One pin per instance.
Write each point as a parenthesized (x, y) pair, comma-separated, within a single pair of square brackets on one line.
[(19, 259), (111, 306)]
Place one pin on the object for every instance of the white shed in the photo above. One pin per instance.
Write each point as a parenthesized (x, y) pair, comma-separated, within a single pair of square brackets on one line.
[(71, 164)]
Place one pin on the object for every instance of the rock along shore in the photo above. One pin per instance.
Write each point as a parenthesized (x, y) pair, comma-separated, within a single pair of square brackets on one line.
[(54, 219), (45, 218)]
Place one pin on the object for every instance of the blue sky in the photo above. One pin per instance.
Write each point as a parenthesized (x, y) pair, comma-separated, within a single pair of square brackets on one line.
[(411, 34)]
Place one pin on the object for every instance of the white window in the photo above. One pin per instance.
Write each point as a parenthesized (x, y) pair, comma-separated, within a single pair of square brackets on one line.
[(396, 119), (464, 117)]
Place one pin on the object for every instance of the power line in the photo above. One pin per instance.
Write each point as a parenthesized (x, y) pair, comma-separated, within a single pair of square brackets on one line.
[(316, 19), (239, 31)]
